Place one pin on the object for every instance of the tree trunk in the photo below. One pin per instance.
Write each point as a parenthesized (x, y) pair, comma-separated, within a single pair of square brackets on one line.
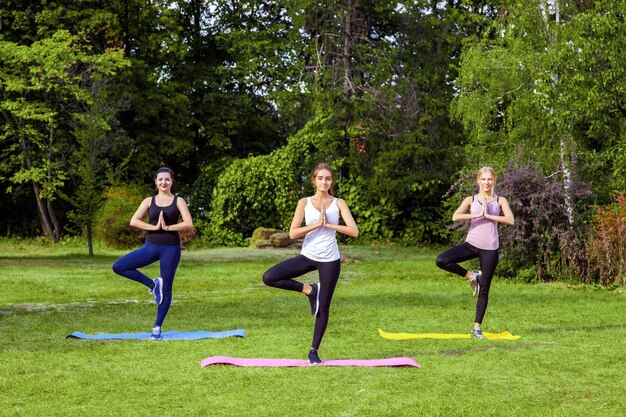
[(567, 157), (347, 51), (46, 226), (90, 239), (56, 231)]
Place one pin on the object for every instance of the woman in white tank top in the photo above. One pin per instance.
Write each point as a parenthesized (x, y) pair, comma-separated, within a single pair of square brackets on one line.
[(482, 241), (321, 213)]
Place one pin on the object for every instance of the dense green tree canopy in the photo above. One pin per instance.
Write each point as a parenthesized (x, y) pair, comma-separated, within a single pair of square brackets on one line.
[(243, 98)]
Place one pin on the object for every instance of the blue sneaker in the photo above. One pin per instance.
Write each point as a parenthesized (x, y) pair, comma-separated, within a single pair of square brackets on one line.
[(314, 359), (156, 333), (474, 282), (157, 291), (314, 298), (476, 334)]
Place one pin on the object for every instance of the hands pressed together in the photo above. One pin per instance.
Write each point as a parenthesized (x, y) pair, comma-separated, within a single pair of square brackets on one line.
[(161, 223), (322, 220)]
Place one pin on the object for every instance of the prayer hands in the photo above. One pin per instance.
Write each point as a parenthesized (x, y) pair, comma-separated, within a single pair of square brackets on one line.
[(322, 220), (161, 223)]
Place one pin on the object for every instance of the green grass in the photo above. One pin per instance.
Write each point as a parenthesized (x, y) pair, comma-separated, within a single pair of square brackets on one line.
[(570, 361)]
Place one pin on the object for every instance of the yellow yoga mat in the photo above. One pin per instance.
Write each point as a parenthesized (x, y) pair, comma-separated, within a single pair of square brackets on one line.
[(506, 335)]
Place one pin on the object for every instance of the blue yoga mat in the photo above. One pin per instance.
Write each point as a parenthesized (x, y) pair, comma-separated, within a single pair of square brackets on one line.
[(171, 335)]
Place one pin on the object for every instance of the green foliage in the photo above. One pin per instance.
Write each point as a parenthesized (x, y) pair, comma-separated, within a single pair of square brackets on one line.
[(548, 87), (252, 192), (113, 221)]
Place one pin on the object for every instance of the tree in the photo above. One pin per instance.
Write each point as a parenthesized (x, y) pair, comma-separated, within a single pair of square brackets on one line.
[(93, 123), (38, 83)]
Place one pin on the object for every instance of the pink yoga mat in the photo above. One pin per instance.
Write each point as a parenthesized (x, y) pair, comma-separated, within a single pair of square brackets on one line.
[(226, 360)]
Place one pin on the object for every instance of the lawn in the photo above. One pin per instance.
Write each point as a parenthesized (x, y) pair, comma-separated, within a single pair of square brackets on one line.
[(570, 360)]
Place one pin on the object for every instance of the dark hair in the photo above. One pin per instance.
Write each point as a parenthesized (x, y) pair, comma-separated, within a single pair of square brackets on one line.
[(163, 169), (327, 167)]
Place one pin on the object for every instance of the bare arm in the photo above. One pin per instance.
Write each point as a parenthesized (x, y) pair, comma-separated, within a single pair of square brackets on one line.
[(296, 230), (461, 214), (350, 227), (507, 218), (137, 219)]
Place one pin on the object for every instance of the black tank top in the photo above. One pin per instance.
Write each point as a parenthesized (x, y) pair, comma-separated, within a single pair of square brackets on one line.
[(170, 214)]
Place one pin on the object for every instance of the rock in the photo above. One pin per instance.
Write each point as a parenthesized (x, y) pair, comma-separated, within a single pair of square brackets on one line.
[(280, 240), (263, 243), (262, 233)]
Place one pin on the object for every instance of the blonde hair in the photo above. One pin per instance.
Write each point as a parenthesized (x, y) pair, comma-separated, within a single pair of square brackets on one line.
[(487, 170), (327, 167)]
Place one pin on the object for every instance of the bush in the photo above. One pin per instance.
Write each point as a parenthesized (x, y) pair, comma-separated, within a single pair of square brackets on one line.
[(542, 236), (607, 243), (112, 225), (252, 191)]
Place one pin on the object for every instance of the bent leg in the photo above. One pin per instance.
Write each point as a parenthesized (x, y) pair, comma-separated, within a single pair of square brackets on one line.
[(127, 265), (281, 275), (449, 260)]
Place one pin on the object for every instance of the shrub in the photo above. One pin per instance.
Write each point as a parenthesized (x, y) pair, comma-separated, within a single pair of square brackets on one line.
[(112, 225), (252, 191), (542, 236), (607, 243)]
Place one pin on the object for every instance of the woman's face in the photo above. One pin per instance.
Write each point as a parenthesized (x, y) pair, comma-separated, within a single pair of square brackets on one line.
[(323, 180), (163, 181), (486, 182)]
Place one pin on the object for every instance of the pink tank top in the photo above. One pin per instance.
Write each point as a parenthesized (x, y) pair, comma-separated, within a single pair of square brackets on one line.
[(483, 233)]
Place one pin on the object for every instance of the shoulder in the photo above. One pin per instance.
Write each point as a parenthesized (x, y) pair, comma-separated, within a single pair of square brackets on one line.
[(502, 200), (469, 199), (180, 200), (302, 202), (341, 202), (147, 201)]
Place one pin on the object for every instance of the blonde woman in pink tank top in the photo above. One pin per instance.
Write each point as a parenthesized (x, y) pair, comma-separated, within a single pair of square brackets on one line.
[(484, 211)]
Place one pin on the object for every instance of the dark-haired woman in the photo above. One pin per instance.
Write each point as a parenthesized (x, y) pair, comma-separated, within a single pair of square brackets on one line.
[(482, 241), (321, 213), (162, 243)]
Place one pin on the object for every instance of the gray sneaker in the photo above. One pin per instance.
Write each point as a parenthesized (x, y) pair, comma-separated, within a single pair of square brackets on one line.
[(474, 282), (314, 298), (476, 334)]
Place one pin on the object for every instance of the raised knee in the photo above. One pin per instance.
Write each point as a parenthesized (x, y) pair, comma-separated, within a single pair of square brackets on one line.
[(117, 269), (267, 278), (440, 262)]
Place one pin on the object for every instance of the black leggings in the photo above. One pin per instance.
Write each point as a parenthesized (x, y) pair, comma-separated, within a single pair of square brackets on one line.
[(488, 262), (280, 276)]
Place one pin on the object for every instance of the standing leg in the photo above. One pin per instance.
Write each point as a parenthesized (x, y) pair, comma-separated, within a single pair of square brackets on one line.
[(329, 275), (169, 259), (488, 263), (127, 265), (281, 275)]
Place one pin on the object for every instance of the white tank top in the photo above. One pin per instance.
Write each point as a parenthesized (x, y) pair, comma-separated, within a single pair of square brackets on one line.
[(321, 244)]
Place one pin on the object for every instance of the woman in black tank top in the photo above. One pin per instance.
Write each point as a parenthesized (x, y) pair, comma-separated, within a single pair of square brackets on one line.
[(162, 243)]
